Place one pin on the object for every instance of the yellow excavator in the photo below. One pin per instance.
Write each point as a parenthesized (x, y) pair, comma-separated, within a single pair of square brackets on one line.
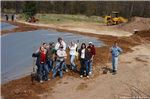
[(114, 19)]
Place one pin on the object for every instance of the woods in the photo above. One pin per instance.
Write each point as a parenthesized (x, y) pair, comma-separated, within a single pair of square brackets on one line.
[(98, 8)]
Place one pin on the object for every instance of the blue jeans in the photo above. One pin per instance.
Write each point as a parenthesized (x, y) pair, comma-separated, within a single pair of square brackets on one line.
[(40, 71), (114, 62), (72, 65), (64, 66), (59, 66), (84, 66), (90, 65), (51, 65)]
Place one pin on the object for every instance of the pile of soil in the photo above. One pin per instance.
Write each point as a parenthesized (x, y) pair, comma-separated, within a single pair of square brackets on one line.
[(135, 23)]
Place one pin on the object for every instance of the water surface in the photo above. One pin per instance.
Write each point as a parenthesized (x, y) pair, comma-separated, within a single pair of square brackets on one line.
[(17, 49), (7, 26)]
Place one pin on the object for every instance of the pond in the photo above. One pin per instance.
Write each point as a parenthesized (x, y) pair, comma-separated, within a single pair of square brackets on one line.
[(7, 26), (17, 49)]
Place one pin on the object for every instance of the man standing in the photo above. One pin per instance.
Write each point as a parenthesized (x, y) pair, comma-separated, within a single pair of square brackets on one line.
[(6, 17), (15, 17), (50, 56), (91, 49), (12, 17), (61, 56), (115, 50), (60, 41)]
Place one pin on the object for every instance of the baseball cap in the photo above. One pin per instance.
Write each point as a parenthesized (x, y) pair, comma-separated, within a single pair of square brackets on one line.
[(90, 42)]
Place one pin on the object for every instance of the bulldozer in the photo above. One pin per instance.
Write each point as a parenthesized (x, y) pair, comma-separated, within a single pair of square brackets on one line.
[(114, 19)]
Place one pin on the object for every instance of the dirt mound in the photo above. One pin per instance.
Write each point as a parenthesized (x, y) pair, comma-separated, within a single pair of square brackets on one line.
[(136, 23)]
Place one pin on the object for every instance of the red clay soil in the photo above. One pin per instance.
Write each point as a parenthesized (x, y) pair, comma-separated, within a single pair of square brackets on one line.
[(23, 88)]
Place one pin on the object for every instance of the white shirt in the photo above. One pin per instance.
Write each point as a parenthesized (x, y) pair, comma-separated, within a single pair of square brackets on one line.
[(61, 53), (58, 44), (83, 53), (15, 17), (73, 50)]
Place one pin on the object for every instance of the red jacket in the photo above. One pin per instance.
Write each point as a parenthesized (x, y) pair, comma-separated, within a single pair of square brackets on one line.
[(91, 50), (43, 58)]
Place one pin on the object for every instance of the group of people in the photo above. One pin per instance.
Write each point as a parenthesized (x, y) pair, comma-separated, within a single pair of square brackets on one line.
[(13, 17), (48, 56)]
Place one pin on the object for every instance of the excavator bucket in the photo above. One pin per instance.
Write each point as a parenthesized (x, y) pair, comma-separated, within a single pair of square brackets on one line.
[(122, 19)]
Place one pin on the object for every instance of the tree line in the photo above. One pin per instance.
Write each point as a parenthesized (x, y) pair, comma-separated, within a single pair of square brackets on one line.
[(89, 8)]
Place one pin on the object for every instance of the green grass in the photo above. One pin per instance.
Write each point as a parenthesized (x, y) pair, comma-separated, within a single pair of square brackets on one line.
[(46, 18)]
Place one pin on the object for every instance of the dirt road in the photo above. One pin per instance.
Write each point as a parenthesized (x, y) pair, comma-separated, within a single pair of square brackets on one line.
[(85, 27)]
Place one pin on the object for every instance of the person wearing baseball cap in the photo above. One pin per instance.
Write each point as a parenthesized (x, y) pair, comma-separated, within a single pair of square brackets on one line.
[(61, 57), (92, 52)]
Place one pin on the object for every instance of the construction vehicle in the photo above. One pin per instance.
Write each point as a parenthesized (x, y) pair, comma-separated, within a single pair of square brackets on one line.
[(29, 17), (114, 19)]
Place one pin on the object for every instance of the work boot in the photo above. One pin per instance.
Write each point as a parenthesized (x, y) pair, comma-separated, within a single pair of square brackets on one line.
[(114, 72)]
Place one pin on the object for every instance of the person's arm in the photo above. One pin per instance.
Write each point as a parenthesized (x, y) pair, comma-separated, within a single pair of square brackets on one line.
[(65, 55), (93, 53), (111, 50), (92, 57), (119, 50), (88, 54), (64, 45), (57, 46), (53, 57), (36, 54), (69, 47)]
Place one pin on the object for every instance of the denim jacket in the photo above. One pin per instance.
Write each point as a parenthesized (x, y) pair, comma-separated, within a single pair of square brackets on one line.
[(115, 51)]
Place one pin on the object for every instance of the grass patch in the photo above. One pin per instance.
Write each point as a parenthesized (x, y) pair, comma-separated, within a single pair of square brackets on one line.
[(46, 18)]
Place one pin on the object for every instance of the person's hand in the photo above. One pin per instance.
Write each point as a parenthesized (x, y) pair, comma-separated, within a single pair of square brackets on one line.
[(65, 57), (68, 47), (92, 58), (33, 55), (61, 59)]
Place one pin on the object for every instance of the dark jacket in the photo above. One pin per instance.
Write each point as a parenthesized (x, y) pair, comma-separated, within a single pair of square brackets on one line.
[(38, 55), (91, 50), (87, 54)]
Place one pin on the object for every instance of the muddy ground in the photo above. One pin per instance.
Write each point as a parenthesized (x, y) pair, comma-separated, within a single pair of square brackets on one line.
[(24, 89)]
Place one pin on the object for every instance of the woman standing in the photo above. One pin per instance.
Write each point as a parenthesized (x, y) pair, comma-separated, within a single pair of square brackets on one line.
[(73, 54), (41, 63), (84, 57)]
